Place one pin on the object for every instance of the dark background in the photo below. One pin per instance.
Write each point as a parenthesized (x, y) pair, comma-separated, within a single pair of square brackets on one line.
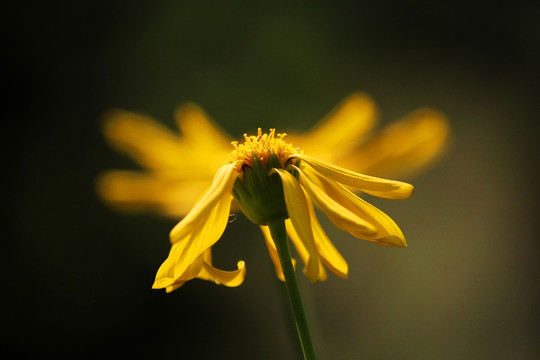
[(77, 275)]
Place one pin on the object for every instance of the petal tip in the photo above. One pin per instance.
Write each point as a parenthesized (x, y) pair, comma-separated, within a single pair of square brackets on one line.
[(408, 189)]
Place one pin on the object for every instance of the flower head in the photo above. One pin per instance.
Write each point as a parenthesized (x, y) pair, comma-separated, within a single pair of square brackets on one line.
[(271, 178), (263, 146), (268, 176)]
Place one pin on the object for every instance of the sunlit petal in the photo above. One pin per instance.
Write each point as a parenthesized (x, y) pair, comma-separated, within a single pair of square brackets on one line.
[(341, 216), (388, 233), (299, 215), (166, 277), (383, 188), (186, 256), (219, 191), (198, 231)]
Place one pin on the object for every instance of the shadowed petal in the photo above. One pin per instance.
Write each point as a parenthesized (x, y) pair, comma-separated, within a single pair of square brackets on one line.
[(301, 249), (299, 215), (383, 188), (327, 252), (273, 252)]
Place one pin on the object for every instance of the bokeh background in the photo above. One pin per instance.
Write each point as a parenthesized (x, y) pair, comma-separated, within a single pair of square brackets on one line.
[(77, 275)]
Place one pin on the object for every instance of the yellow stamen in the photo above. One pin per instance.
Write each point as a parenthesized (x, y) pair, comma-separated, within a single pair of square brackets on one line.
[(262, 146)]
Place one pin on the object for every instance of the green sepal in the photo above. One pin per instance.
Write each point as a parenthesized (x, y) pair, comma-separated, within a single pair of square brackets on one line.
[(260, 195), (294, 172), (273, 162)]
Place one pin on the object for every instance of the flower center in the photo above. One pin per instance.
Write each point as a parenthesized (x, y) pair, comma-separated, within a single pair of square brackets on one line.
[(262, 146)]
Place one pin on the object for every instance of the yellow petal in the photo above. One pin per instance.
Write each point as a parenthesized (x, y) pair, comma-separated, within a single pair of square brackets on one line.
[(299, 215), (221, 277), (327, 252), (383, 188), (340, 130), (166, 277), (301, 249), (185, 259), (205, 232), (388, 233), (134, 191), (402, 148), (202, 132), (220, 191), (198, 231), (151, 144), (201, 268), (273, 252), (341, 216)]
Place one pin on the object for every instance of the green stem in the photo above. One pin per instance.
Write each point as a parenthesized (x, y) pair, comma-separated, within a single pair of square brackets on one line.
[(279, 234)]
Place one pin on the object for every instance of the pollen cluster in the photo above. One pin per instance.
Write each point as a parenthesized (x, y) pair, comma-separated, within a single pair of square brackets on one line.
[(261, 146)]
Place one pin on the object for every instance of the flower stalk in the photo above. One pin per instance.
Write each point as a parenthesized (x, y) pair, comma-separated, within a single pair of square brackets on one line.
[(279, 234)]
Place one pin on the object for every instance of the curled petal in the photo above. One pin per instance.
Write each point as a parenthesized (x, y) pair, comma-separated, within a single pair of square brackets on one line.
[(202, 268), (228, 278), (388, 233), (383, 188), (221, 277), (299, 214)]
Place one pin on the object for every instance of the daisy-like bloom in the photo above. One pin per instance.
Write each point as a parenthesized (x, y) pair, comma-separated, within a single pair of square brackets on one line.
[(179, 168), (268, 177), (271, 179)]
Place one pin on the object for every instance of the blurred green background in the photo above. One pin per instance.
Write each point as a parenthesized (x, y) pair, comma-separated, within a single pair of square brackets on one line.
[(77, 275)]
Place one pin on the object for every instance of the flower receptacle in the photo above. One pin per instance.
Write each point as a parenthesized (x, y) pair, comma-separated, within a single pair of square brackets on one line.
[(259, 194)]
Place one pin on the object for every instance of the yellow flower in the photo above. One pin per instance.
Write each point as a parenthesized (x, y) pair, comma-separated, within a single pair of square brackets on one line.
[(271, 179), (181, 167)]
